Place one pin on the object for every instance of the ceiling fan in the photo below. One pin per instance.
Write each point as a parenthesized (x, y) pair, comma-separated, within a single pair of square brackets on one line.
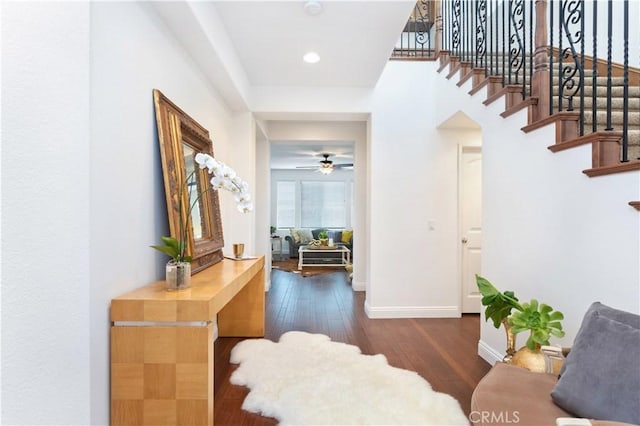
[(326, 166)]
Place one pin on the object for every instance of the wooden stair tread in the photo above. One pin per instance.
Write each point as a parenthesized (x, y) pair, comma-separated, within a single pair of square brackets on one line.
[(629, 166), (635, 205), (573, 116), (583, 140), (522, 105)]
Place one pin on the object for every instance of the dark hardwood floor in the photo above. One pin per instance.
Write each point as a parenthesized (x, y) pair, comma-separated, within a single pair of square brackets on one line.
[(443, 351)]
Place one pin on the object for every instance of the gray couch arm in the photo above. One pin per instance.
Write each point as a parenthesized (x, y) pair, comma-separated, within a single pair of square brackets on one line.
[(293, 246)]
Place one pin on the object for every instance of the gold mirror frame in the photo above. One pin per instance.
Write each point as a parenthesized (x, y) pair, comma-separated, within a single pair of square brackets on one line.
[(176, 129)]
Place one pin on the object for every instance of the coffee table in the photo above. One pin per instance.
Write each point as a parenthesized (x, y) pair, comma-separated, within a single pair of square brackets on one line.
[(306, 256)]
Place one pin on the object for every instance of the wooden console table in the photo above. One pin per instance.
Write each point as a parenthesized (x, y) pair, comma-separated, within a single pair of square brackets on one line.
[(162, 342)]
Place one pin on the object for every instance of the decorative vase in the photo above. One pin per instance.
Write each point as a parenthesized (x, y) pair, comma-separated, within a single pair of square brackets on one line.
[(324, 242), (532, 360), (178, 275), (511, 342)]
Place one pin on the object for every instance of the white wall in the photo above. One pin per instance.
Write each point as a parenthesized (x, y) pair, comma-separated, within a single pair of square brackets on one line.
[(45, 214), (132, 53), (263, 201), (549, 231), (413, 181), (241, 149)]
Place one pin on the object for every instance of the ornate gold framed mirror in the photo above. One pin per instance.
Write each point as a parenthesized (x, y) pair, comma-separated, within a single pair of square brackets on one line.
[(192, 205)]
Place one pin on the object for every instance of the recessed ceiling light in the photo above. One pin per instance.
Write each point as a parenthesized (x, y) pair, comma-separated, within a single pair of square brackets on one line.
[(311, 57), (313, 8)]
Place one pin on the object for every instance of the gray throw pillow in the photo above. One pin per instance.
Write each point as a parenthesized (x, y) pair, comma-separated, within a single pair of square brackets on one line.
[(601, 376)]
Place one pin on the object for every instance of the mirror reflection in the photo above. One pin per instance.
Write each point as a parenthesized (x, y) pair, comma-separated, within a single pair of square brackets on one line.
[(194, 190)]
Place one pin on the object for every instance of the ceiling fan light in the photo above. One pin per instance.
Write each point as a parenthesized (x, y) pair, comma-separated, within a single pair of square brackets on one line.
[(311, 57), (326, 170)]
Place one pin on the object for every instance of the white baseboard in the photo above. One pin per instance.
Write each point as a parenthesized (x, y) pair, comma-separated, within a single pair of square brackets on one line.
[(267, 285), (488, 353), (358, 285), (411, 311)]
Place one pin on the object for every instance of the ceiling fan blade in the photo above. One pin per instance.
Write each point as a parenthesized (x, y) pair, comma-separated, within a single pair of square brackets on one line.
[(307, 167), (344, 165)]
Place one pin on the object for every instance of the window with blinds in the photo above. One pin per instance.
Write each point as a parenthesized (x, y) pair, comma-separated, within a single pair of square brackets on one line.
[(323, 204), (286, 204)]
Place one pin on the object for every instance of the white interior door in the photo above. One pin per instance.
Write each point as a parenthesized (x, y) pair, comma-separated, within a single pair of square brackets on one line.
[(470, 225)]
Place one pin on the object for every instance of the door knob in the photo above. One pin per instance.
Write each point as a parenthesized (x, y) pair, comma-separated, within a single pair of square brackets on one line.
[(464, 241)]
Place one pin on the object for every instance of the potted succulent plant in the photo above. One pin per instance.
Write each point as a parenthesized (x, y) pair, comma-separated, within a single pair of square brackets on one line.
[(542, 322), (323, 236), (539, 319)]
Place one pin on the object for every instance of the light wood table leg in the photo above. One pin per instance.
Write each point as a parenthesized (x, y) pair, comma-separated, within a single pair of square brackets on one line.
[(243, 316), (162, 375)]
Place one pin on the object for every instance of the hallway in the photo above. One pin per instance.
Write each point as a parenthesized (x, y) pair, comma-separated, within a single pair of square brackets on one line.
[(443, 351)]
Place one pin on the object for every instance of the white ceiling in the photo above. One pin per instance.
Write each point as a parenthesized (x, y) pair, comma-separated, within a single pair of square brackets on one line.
[(243, 46), (353, 38)]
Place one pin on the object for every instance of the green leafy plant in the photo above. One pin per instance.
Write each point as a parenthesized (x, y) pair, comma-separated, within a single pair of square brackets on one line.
[(540, 319), (499, 305), (323, 234), (174, 249), (272, 230)]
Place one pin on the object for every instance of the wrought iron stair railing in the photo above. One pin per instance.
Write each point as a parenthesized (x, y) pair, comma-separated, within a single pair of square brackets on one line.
[(417, 39), (539, 49)]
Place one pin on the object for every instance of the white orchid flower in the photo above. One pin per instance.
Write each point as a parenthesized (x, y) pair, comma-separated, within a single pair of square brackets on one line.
[(201, 159), (242, 196), (229, 186), (237, 181), (245, 206), (228, 172), (224, 177), (213, 165), (218, 182)]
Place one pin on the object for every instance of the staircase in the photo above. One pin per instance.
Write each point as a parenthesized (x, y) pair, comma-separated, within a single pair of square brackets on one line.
[(602, 106), (606, 144), (611, 126)]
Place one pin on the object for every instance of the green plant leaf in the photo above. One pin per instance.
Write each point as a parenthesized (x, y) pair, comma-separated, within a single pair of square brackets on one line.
[(545, 309), (540, 320), (485, 287), (499, 305), (556, 316), (171, 242)]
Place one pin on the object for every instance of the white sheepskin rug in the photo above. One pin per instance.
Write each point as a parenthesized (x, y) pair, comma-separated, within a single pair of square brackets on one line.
[(306, 379)]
